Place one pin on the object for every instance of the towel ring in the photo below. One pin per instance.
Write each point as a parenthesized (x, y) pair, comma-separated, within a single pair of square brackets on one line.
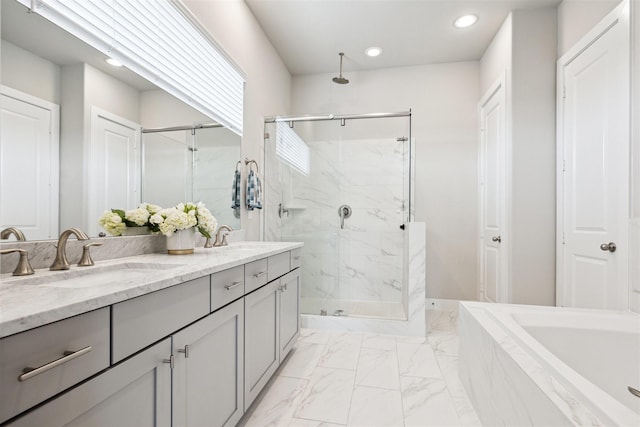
[(248, 162)]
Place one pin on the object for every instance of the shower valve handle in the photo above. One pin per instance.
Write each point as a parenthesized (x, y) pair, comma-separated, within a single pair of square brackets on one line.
[(344, 211)]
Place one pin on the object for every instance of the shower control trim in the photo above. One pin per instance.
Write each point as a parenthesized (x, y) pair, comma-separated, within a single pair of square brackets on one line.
[(344, 212)]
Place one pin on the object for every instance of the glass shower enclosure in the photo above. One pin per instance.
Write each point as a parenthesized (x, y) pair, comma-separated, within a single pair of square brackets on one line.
[(191, 163), (342, 185)]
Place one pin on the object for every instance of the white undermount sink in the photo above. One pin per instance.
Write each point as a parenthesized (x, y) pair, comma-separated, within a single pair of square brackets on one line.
[(98, 275)]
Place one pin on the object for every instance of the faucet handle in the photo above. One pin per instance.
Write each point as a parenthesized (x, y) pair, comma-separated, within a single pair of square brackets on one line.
[(23, 268), (86, 260)]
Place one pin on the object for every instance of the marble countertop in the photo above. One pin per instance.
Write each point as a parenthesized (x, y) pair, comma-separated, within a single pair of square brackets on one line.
[(31, 301)]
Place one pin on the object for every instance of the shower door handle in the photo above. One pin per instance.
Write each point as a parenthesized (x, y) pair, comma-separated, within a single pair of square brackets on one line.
[(344, 211)]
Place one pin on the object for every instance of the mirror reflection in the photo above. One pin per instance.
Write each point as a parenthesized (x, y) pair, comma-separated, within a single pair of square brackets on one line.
[(72, 137)]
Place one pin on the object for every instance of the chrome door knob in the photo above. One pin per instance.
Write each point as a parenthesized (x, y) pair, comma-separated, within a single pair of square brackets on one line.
[(496, 239), (611, 247)]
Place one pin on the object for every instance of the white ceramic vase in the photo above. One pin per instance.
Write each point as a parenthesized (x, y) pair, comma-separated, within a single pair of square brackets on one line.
[(182, 242)]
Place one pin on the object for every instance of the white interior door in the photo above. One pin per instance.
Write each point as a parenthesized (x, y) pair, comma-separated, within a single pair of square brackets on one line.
[(492, 158), (115, 165), (594, 149), (29, 163)]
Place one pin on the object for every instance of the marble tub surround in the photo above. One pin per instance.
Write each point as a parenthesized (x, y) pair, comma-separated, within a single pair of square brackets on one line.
[(341, 378), (25, 304), (512, 379), (43, 252)]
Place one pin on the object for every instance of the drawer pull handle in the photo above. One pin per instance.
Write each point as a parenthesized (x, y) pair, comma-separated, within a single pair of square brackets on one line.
[(171, 361), (233, 285), (68, 355), (260, 274), (296, 258), (184, 350)]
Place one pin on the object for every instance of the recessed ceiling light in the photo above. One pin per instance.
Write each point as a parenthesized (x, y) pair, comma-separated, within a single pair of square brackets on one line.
[(373, 51), (465, 21), (114, 62)]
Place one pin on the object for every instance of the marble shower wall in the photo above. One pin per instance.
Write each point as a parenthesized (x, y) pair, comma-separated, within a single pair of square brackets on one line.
[(364, 260)]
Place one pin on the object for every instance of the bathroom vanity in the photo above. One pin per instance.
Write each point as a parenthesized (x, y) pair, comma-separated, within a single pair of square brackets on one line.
[(151, 340)]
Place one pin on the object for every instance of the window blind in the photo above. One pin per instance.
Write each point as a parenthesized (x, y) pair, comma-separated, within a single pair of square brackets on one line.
[(292, 149), (157, 41)]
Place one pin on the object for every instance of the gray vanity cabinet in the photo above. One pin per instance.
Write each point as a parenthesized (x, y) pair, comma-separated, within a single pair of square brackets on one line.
[(289, 311), (208, 370), (135, 393), (261, 316), (272, 325)]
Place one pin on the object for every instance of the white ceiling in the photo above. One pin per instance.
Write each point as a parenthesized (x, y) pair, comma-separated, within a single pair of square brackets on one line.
[(308, 34)]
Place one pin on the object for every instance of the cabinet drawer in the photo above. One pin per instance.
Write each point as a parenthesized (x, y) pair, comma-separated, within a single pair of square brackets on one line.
[(277, 265), (226, 286), (141, 321), (255, 275), (67, 352), (296, 258)]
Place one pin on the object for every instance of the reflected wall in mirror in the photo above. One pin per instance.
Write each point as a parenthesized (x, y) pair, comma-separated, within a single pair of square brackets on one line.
[(61, 172)]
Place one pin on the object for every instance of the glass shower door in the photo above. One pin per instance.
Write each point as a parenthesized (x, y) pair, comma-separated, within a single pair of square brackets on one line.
[(349, 211)]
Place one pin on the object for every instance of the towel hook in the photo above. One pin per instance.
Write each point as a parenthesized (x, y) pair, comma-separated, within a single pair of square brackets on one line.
[(238, 165), (248, 162)]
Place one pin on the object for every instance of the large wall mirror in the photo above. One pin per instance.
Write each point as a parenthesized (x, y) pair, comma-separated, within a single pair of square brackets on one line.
[(79, 136)]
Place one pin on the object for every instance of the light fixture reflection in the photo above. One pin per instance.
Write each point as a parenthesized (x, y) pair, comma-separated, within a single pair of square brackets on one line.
[(114, 62)]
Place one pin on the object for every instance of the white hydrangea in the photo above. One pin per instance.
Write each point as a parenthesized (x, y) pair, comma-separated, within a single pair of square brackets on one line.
[(138, 216), (112, 223), (184, 216)]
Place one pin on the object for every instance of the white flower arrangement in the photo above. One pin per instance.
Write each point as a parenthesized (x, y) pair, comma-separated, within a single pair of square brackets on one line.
[(116, 221), (184, 216)]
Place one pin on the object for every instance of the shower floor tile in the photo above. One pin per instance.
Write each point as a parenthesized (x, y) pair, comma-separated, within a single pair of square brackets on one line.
[(338, 378)]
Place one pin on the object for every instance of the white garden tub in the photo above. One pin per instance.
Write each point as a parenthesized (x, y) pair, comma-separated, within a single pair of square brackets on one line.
[(547, 366)]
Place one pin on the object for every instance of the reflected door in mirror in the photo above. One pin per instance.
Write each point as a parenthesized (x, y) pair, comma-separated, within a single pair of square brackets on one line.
[(29, 186)]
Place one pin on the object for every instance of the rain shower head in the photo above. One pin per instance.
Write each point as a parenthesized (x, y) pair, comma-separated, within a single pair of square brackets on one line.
[(340, 80)]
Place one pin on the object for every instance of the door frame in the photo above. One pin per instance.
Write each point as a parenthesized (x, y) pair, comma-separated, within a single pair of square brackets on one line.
[(619, 14), (503, 294)]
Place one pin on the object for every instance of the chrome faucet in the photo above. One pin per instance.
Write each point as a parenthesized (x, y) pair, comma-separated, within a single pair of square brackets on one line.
[(222, 242), (4, 234), (61, 262)]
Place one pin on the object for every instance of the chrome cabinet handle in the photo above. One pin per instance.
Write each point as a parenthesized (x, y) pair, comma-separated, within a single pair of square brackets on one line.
[(260, 274), (67, 356), (296, 258), (233, 285), (634, 391), (496, 239), (184, 350), (171, 361), (611, 247)]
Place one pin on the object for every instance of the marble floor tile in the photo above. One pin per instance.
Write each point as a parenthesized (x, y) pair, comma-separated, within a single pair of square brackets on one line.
[(339, 378), (327, 396), (302, 361), (378, 368), (426, 402), (380, 342), (375, 407), (444, 342), (418, 360), (299, 422), (277, 406), (342, 351), (315, 336)]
